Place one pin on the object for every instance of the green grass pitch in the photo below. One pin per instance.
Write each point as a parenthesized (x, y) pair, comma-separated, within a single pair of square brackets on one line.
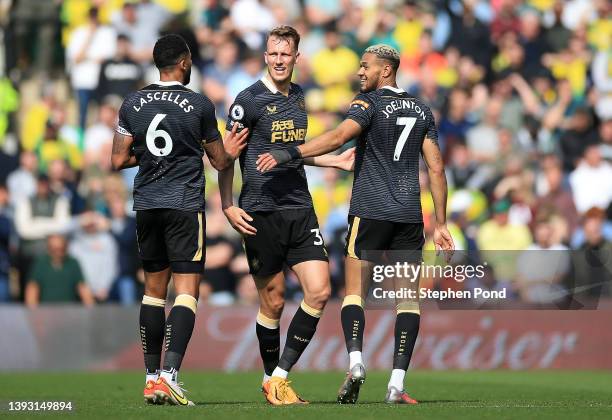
[(484, 395)]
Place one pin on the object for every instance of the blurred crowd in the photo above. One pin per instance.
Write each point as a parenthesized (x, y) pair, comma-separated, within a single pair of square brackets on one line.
[(521, 91)]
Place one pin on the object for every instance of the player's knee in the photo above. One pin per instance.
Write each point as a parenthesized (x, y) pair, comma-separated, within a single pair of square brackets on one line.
[(158, 291), (318, 297), (273, 305), (276, 306)]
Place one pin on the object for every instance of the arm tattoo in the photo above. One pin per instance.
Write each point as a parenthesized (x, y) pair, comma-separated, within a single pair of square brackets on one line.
[(118, 143)]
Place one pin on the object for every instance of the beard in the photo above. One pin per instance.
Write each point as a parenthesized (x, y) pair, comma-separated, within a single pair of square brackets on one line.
[(187, 77)]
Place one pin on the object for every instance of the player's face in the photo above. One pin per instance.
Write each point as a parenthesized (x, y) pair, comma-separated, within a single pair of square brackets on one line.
[(281, 56), (369, 72)]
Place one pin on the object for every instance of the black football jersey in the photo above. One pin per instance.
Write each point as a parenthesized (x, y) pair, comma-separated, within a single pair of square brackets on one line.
[(394, 125), (274, 121), (169, 124)]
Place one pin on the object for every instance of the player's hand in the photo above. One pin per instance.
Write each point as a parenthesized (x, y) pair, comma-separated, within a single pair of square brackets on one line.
[(235, 141), (277, 157), (239, 219), (346, 160), (443, 241)]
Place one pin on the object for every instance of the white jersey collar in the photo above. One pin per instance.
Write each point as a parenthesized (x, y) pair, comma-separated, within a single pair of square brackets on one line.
[(394, 89), (172, 83), (269, 84)]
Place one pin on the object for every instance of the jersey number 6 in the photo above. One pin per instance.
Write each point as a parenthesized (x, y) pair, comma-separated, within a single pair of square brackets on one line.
[(153, 133), (408, 123)]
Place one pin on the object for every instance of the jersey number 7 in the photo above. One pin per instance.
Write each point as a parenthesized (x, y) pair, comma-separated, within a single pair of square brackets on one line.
[(153, 133), (408, 123)]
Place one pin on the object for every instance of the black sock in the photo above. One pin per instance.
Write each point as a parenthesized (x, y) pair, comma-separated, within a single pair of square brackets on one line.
[(179, 327), (269, 346), (152, 323), (353, 324), (300, 332), (406, 331)]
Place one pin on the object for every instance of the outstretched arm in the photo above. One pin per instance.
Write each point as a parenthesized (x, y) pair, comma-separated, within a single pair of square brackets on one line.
[(325, 143), (344, 161), (122, 156)]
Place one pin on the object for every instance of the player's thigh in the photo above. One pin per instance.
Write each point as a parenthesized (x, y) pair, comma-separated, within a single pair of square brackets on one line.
[(313, 276), (271, 291), (151, 240), (366, 235), (407, 247), (184, 237), (266, 250), (305, 239), (408, 241)]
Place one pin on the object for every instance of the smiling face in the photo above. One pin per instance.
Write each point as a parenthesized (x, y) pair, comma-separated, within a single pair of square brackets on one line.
[(370, 72), (281, 55)]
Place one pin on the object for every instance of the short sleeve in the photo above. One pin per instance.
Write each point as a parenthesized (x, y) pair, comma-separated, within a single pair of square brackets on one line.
[(210, 130), (361, 110), (242, 112), (432, 131), (123, 126)]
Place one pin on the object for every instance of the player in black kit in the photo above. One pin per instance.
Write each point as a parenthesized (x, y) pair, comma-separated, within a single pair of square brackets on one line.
[(165, 129), (392, 128), (275, 213)]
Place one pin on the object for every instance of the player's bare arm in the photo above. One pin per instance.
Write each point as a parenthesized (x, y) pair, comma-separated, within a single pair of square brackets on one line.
[(325, 143), (344, 161), (223, 154), (122, 156), (237, 217), (435, 167)]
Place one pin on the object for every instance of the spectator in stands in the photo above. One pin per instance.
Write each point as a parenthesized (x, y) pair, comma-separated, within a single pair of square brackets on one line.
[(88, 47), (96, 251), (119, 75), (123, 229), (460, 171), (217, 73), (6, 228), (44, 214), (591, 181), (591, 276), (542, 267), (335, 79), (99, 135), (141, 23), (579, 135), (558, 196), (21, 183), (56, 277), (483, 139)]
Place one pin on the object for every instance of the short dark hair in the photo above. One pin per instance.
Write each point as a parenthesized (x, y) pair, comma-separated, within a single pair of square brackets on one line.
[(285, 32), (168, 50)]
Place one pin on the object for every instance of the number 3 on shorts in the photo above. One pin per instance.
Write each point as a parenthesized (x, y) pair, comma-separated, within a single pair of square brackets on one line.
[(318, 238)]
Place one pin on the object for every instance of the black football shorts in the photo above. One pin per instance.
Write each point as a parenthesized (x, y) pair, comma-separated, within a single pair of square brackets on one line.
[(381, 235), (169, 237), (287, 237)]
